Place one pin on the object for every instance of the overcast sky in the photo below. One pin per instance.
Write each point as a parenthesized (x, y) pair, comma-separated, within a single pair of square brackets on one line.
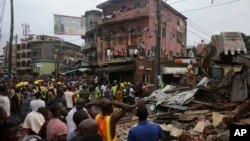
[(222, 15)]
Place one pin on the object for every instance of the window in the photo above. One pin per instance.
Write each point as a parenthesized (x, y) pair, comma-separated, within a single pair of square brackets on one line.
[(146, 78), (29, 46), (163, 32), (18, 47), (172, 35), (29, 64), (137, 5), (23, 55), (18, 56), (18, 64), (29, 55), (23, 64), (23, 46), (178, 22)]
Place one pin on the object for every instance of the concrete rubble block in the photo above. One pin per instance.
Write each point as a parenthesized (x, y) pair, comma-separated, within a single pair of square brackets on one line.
[(164, 127), (224, 136), (200, 126), (176, 132), (220, 120)]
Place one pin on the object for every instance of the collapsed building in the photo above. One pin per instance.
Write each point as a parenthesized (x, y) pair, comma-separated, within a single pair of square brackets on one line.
[(217, 98)]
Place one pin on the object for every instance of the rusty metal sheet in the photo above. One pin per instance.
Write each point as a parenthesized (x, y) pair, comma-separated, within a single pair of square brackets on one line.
[(239, 87)]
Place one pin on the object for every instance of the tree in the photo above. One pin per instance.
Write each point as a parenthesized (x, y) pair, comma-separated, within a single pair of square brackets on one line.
[(246, 40)]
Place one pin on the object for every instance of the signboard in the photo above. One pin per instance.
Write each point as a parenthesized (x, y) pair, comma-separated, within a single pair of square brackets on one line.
[(68, 25), (39, 65)]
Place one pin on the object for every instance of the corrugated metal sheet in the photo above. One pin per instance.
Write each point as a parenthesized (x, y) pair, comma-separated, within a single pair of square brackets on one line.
[(239, 87)]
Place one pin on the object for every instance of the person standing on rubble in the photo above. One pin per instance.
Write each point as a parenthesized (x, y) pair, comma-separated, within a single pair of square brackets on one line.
[(190, 68), (107, 119), (145, 130)]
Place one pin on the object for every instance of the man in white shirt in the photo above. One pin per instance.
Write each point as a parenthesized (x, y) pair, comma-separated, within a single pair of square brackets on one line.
[(37, 103), (103, 89), (108, 53), (4, 100), (80, 105), (69, 98), (135, 52)]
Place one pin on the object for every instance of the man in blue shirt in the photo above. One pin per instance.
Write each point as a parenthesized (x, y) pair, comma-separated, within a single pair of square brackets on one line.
[(145, 130)]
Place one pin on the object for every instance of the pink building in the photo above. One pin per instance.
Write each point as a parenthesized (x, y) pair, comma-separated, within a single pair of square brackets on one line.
[(127, 24)]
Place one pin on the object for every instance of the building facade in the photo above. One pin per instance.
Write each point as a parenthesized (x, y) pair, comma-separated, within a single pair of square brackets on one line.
[(45, 54), (89, 49), (130, 26)]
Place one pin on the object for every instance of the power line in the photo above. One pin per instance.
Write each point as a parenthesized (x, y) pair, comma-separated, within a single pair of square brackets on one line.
[(198, 35), (201, 8), (199, 29), (202, 32), (177, 2), (201, 26)]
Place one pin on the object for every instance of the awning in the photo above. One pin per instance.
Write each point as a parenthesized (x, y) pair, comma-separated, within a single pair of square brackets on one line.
[(174, 70), (110, 69), (84, 69), (78, 69)]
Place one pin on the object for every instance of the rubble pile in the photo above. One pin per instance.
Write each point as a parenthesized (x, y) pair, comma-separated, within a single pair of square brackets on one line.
[(203, 112)]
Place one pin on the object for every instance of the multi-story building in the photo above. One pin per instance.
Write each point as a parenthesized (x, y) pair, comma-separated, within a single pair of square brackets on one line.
[(132, 24), (1, 63), (45, 54), (89, 49)]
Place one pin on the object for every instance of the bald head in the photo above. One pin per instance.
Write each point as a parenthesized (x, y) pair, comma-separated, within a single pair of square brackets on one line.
[(80, 103), (88, 126)]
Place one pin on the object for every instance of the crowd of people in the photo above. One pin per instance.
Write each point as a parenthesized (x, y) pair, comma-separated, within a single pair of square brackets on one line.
[(72, 110)]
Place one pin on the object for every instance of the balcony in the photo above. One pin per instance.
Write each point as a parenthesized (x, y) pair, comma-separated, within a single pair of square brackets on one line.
[(91, 45), (91, 27), (124, 16), (117, 60)]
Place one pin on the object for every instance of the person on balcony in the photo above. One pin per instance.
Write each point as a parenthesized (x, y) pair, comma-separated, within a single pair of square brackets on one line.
[(135, 51), (109, 53)]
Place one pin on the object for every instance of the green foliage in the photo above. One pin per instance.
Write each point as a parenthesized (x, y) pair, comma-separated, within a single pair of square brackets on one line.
[(246, 39)]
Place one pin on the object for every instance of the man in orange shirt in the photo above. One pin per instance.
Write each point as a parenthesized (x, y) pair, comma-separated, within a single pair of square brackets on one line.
[(107, 119)]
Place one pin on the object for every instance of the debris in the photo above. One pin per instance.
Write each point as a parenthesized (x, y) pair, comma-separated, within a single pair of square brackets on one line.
[(241, 110), (218, 120), (199, 127), (239, 86), (176, 132), (196, 112), (207, 104)]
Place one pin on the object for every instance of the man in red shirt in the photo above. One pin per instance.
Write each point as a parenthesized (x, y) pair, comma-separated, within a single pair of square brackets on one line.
[(56, 129)]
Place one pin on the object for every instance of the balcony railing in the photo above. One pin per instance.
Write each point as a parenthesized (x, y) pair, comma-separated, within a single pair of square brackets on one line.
[(91, 27), (117, 60), (123, 16), (89, 45)]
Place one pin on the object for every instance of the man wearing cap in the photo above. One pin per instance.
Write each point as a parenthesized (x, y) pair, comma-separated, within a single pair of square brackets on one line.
[(107, 119)]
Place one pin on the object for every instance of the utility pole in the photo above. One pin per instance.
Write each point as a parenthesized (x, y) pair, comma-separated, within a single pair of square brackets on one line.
[(10, 43), (158, 44)]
